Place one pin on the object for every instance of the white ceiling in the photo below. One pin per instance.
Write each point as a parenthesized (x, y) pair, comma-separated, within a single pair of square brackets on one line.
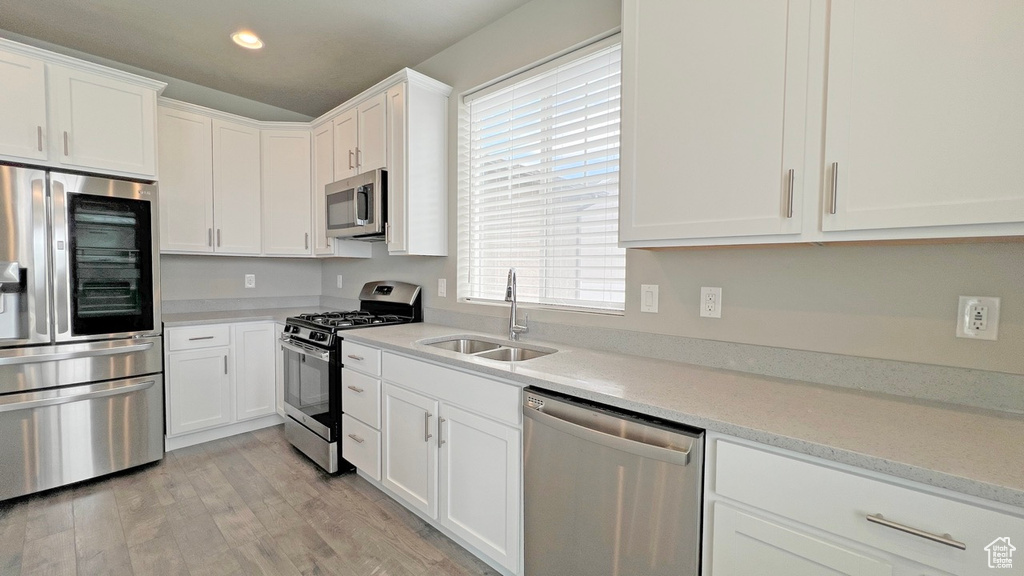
[(318, 53)]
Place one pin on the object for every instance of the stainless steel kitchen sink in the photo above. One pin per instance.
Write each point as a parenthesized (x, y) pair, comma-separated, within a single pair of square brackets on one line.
[(489, 348), (465, 345)]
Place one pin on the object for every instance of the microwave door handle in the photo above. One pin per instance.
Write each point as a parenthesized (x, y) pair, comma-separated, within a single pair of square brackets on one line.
[(362, 205)]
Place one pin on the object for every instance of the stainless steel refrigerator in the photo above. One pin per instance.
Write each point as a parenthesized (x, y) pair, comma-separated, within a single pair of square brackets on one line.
[(81, 361)]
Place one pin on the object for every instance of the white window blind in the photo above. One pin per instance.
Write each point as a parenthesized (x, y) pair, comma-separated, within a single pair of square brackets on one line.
[(541, 186)]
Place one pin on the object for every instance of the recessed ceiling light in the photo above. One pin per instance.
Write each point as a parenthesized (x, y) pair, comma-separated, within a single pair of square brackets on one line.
[(247, 39)]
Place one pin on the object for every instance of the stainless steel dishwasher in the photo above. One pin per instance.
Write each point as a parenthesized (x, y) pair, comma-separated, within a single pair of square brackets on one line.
[(608, 493)]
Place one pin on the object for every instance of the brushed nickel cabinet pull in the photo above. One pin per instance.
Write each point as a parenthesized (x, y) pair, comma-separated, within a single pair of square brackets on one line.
[(307, 240), (789, 193), (351, 155), (225, 364), (387, 232), (356, 358), (66, 152), (440, 421), (426, 427), (209, 237), (218, 237), (200, 338), (356, 438), (39, 137), (356, 390), (835, 187), (359, 157), (941, 539)]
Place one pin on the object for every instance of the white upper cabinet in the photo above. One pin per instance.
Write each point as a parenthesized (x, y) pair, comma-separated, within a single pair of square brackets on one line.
[(186, 181), (417, 128), (323, 174), (23, 128), (236, 188), (346, 140), (360, 138), (103, 123), (373, 143), (925, 114), (285, 167), (62, 112), (797, 121), (714, 101)]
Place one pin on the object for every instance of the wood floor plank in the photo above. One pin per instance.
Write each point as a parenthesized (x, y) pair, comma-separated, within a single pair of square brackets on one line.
[(49, 513), (52, 555), (13, 517), (265, 557), (200, 540), (99, 539), (159, 557), (236, 521), (141, 509)]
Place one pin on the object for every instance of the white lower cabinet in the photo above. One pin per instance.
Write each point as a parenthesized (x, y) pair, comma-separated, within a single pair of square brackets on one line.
[(220, 380), (198, 390), (451, 450), (769, 511)]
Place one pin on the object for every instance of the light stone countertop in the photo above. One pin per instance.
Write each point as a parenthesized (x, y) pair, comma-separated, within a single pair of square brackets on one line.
[(227, 316), (971, 451)]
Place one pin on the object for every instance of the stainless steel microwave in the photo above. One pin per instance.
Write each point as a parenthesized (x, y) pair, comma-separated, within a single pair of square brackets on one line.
[(356, 206)]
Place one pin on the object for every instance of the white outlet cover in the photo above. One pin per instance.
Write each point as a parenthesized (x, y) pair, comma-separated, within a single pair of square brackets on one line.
[(442, 287), (710, 302), (649, 298), (339, 280), (964, 328), (250, 280)]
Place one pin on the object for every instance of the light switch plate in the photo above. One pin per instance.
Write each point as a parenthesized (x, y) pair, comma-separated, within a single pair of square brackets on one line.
[(442, 287), (977, 317), (339, 280), (250, 280), (649, 298)]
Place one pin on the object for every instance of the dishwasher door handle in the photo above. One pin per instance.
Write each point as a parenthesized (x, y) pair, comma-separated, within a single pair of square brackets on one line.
[(663, 453)]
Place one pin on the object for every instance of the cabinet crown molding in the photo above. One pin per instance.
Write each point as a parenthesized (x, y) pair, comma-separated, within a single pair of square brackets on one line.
[(403, 75), (77, 64)]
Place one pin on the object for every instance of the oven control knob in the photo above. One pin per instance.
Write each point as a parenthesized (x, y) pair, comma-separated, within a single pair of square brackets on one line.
[(319, 336)]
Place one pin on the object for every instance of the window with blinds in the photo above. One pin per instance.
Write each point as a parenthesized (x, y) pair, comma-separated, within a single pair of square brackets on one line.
[(540, 185)]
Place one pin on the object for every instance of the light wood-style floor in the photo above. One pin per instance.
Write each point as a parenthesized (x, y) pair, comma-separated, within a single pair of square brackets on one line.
[(244, 505)]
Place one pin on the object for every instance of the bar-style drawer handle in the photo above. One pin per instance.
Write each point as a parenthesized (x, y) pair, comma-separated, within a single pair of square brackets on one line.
[(356, 358), (941, 539), (356, 438), (356, 390), (200, 338)]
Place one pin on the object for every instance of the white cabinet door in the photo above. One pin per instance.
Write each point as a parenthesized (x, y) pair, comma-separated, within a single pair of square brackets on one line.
[(285, 168), (279, 369), (186, 181), (397, 235), (372, 149), (102, 123), (323, 174), (924, 124), (746, 544), (480, 474), (255, 370), (198, 390), (713, 115), (236, 188), (410, 448), (346, 139), (23, 128)]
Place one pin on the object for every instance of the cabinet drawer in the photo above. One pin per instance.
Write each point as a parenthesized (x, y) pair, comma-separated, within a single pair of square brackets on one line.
[(362, 358), (360, 397), (360, 445), (481, 395), (840, 502), (194, 337)]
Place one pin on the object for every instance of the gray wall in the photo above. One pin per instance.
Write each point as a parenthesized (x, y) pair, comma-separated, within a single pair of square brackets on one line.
[(883, 301), (222, 277)]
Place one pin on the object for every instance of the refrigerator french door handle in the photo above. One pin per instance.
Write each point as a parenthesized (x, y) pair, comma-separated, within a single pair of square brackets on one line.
[(67, 395), (39, 355), (61, 273)]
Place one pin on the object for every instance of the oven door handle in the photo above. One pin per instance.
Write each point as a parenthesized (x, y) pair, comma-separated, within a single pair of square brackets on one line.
[(306, 351)]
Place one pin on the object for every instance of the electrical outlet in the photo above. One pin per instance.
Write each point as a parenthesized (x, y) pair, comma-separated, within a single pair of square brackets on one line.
[(977, 317), (442, 287), (649, 298), (339, 280), (710, 302), (250, 280)]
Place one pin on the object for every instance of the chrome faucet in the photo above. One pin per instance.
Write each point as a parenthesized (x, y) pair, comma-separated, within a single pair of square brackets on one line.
[(514, 330)]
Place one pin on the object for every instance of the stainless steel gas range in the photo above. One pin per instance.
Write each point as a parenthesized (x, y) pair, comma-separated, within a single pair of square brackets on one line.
[(313, 363)]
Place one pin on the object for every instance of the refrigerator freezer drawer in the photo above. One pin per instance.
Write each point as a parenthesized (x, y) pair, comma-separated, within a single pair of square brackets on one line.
[(58, 437)]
